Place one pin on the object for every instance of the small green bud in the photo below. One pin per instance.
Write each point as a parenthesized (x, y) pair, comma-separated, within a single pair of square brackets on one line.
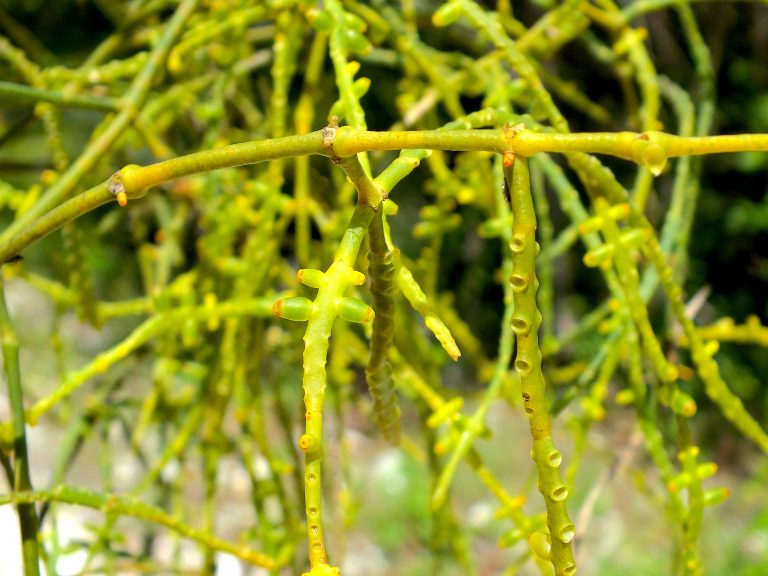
[(355, 278), (310, 277), (354, 22), (321, 20), (624, 397), (689, 452), (492, 228), (437, 225), (352, 68), (430, 212), (361, 86), (447, 443), (683, 404), (599, 256), (465, 195), (309, 443), (209, 301), (593, 409), (679, 482), (356, 42), (509, 539), (706, 470), (297, 308), (595, 223), (716, 496), (425, 229), (337, 109), (354, 310), (447, 14), (390, 208), (540, 545), (446, 412), (635, 237), (443, 335)]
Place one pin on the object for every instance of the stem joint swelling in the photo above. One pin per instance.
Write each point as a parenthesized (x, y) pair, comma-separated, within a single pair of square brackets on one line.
[(329, 135), (126, 183)]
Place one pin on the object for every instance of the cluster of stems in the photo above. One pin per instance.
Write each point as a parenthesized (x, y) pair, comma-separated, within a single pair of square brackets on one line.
[(232, 144)]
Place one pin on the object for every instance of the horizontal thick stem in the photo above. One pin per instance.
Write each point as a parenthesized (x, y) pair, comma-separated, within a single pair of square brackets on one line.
[(649, 148)]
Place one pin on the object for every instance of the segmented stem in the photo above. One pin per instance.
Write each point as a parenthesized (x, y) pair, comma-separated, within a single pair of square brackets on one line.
[(379, 372), (322, 314), (525, 323)]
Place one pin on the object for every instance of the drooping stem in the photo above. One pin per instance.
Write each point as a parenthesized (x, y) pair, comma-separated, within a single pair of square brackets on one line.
[(378, 373)]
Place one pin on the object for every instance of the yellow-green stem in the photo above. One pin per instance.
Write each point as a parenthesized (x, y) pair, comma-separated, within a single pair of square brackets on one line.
[(525, 323)]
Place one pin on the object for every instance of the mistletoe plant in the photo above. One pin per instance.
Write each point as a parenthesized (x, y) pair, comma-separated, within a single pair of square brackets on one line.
[(231, 162)]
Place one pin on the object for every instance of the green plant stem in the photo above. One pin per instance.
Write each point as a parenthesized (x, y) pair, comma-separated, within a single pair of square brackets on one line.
[(495, 32), (157, 324), (350, 141), (315, 353), (716, 388), (53, 220), (127, 506), (21, 480), (285, 49), (525, 323), (411, 381), (545, 266), (378, 372), (629, 279), (303, 120), (323, 313), (132, 102), (23, 38), (476, 424), (705, 114), (687, 455), (650, 148), (353, 110), (14, 92)]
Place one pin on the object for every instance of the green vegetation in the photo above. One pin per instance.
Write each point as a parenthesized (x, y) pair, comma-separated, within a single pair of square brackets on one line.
[(486, 217)]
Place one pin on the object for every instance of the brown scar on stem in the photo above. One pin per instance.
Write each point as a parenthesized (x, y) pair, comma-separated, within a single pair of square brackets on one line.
[(329, 135), (510, 132), (117, 188)]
